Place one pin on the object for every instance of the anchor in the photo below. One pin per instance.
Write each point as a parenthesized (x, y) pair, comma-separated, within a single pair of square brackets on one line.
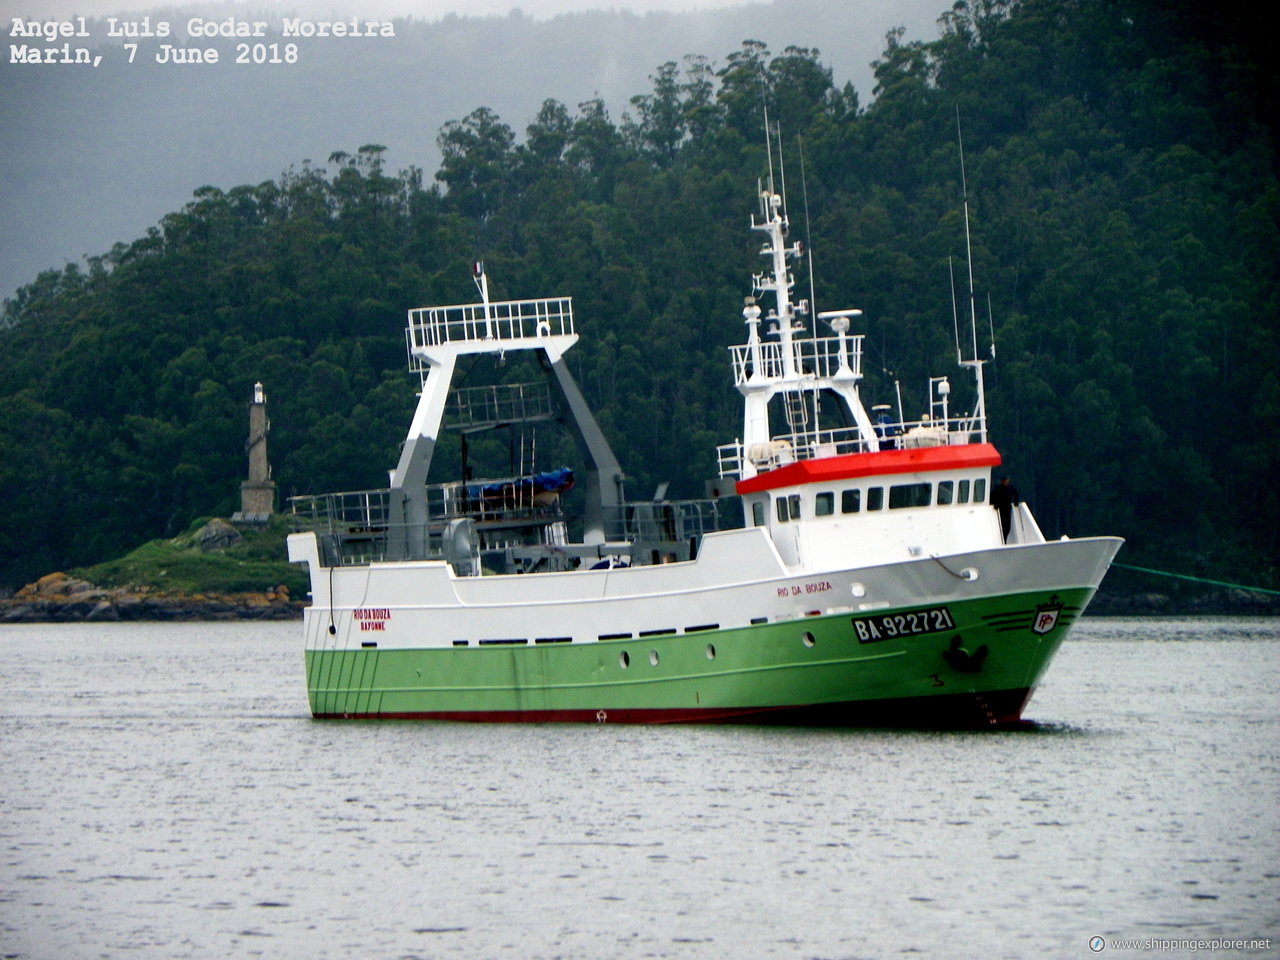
[(961, 660)]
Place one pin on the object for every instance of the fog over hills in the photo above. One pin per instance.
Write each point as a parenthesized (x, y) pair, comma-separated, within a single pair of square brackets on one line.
[(95, 155)]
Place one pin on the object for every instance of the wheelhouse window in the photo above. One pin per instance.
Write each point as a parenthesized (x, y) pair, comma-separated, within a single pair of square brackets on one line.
[(905, 495), (757, 513), (788, 507), (875, 498), (946, 492), (824, 504), (980, 491), (850, 501), (963, 492)]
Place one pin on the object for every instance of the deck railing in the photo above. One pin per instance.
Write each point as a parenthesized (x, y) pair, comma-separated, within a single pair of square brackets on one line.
[(787, 448), (354, 527), (496, 323), (363, 511), (499, 403), (665, 521), (819, 357)]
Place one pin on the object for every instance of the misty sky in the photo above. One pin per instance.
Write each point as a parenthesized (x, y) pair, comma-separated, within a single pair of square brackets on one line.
[(425, 9), (72, 139)]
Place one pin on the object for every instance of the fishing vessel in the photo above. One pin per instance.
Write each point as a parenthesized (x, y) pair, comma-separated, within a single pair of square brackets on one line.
[(847, 566)]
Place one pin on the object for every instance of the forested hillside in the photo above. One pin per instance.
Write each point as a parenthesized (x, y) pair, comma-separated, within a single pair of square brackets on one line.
[(1125, 211)]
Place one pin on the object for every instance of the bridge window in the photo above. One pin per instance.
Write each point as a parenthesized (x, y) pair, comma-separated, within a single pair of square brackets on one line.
[(825, 504), (788, 507), (875, 498), (946, 492), (910, 495), (980, 491), (757, 513), (850, 501), (963, 492)]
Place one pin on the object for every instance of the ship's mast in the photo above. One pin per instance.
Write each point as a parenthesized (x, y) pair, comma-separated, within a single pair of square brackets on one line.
[(778, 281), (482, 284), (793, 368), (436, 338), (977, 363)]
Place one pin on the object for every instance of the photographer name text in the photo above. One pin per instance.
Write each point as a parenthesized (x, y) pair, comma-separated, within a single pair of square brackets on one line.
[(195, 41)]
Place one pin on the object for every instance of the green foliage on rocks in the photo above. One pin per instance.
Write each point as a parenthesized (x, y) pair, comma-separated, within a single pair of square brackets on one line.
[(255, 564)]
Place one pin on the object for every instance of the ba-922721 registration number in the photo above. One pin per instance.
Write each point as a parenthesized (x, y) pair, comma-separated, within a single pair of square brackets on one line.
[(905, 623)]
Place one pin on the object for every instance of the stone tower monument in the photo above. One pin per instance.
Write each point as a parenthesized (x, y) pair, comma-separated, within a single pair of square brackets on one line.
[(258, 493)]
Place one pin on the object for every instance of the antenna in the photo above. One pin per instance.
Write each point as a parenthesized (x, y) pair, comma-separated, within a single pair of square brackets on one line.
[(782, 170), (955, 315), (968, 246), (991, 326), (768, 147), (482, 284), (808, 239), (980, 408)]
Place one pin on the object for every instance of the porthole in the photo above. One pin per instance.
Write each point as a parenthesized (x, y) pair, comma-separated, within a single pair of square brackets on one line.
[(858, 590), (653, 658), (624, 660), (808, 639), (711, 651)]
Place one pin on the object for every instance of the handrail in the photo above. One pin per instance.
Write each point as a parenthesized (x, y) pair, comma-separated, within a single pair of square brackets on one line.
[(354, 528), (501, 321), (783, 449), (816, 357), (498, 403)]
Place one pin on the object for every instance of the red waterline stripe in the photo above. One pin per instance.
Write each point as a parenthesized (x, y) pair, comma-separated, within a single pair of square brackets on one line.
[(1000, 707)]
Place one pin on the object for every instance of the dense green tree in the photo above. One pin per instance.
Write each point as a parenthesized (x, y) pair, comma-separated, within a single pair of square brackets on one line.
[(477, 158), (661, 125), (1124, 215)]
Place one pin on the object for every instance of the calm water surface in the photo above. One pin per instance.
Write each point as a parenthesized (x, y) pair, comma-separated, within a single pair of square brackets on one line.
[(164, 793)]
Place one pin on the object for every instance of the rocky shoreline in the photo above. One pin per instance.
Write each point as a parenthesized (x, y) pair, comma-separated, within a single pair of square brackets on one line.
[(59, 598)]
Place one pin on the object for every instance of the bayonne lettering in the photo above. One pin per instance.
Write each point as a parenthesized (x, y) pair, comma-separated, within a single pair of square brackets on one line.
[(371, 618)]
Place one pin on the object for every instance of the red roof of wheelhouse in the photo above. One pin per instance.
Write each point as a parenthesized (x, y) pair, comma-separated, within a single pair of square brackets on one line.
[(918, 460)]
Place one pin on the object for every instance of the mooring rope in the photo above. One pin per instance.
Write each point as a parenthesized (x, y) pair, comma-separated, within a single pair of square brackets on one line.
[(1183, 576)]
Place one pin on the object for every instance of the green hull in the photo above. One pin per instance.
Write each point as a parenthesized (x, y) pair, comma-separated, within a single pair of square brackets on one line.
[(973, 661)]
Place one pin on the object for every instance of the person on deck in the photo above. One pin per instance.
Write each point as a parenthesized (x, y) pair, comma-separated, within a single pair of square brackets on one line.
[(1004, 496)]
